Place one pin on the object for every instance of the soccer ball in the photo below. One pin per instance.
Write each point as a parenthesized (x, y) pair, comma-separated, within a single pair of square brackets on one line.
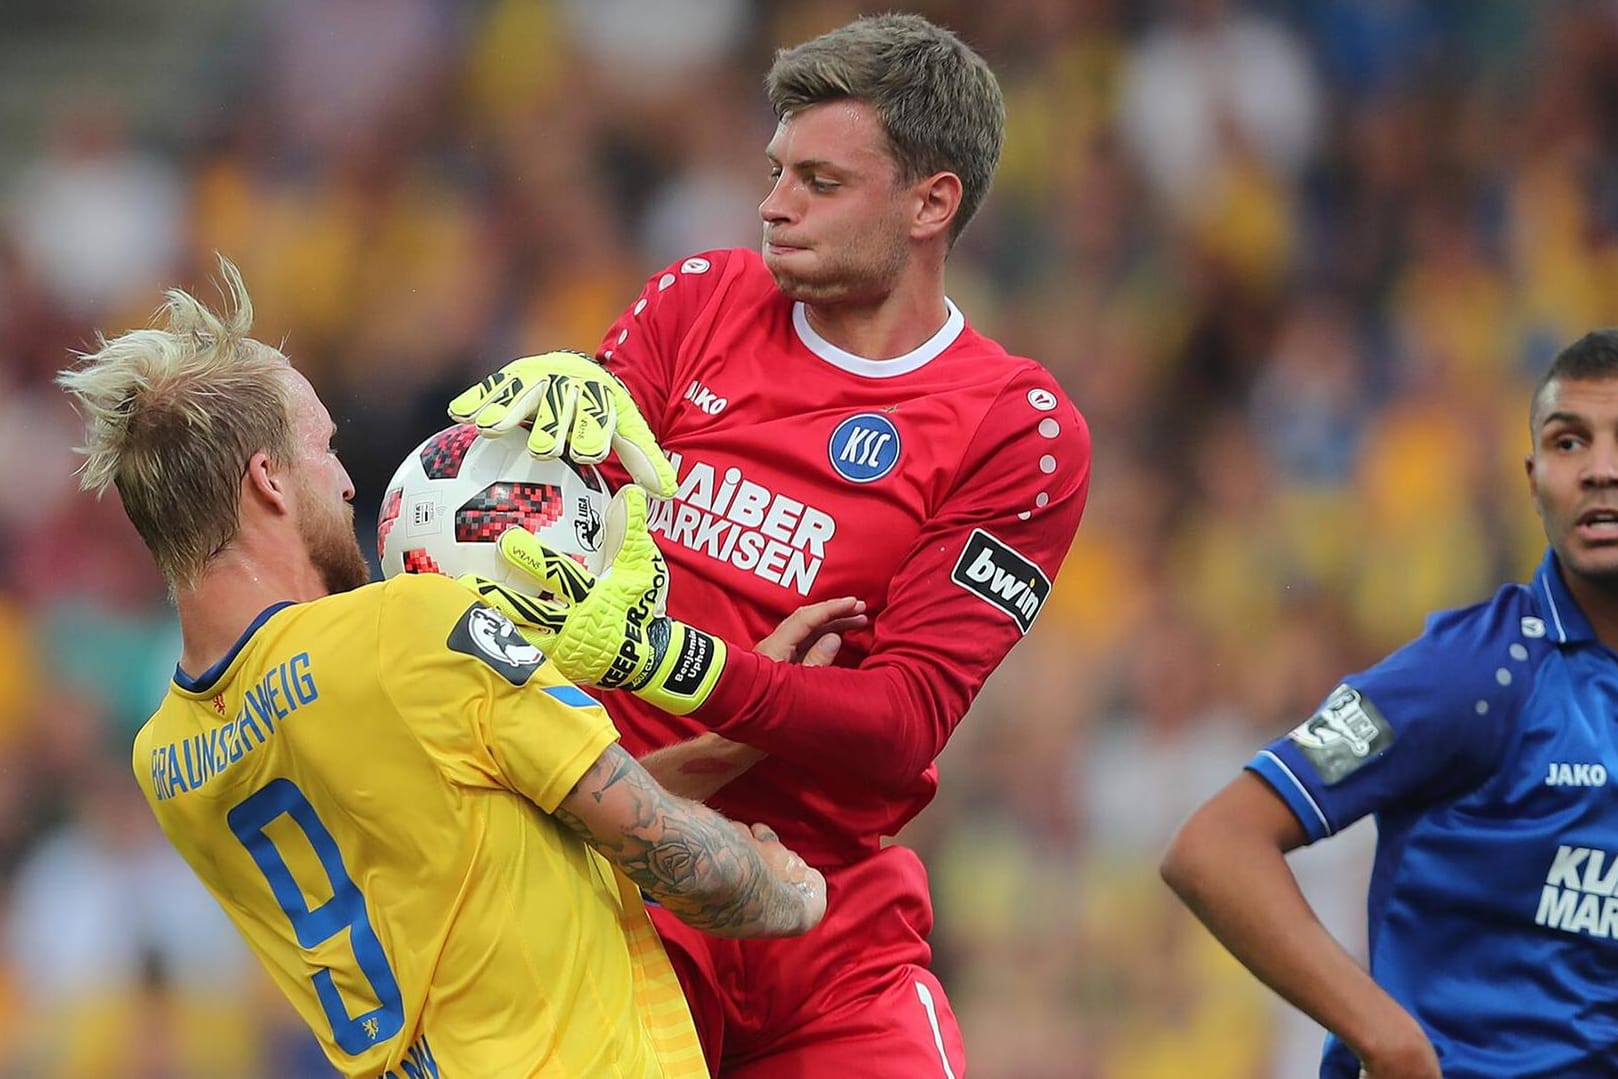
[(456, 493)]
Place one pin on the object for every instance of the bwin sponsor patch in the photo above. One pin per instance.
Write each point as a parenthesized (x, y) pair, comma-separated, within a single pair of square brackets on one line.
[(1000, 576), (1343, 735)]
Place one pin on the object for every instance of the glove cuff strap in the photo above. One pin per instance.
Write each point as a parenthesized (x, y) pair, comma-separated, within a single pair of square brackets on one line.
[(687, 671)]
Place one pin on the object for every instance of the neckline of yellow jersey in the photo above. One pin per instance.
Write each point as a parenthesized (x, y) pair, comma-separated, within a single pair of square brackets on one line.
[(913, 360), (202, 685)]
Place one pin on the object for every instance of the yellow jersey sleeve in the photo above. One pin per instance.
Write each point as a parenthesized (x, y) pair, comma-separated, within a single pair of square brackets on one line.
[(489, 707)]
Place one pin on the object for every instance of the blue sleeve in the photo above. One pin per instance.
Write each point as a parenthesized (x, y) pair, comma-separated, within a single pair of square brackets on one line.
[(1422, 726)]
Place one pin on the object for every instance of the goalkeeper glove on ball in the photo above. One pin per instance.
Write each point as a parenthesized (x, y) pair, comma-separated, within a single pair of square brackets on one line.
[(578, 408), (609, 630)]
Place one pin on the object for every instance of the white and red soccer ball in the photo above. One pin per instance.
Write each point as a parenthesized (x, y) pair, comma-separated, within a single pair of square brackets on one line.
[(456, 493)]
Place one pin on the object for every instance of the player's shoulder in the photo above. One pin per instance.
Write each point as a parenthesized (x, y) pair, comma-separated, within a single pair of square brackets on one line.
[(1511, 622), (439, 625), (713, 271), (400, 607), (425, 588), (153, 731), (722, 284), (981, 366), (1484, 656), (1011, 371), (418, 601), (1014, 402)]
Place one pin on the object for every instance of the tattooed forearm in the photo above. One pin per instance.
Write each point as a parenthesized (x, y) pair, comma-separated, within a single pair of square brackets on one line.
[(702, 867)]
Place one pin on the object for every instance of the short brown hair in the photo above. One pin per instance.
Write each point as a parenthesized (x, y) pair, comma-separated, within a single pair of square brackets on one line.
[(172, 416), (937, 99), (1592, 358)]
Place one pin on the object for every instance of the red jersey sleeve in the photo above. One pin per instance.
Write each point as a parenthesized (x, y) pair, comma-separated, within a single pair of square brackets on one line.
[(968, 590)]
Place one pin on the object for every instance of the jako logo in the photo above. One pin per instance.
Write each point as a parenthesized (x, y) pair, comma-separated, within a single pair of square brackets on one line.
[(864, 447), (704, 398), (1576, 775), (994, 572)]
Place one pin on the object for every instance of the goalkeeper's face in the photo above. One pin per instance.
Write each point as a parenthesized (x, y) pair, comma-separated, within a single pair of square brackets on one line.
[(836, 220), (323, 495)]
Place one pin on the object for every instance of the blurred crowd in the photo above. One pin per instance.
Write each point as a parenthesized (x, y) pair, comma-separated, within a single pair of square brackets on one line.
[(1297, 261)]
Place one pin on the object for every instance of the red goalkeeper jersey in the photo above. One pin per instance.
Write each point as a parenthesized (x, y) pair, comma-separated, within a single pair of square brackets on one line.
[(942, 487)]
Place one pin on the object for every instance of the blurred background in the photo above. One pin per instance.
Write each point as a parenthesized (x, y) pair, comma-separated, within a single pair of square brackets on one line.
[(1298, 262)]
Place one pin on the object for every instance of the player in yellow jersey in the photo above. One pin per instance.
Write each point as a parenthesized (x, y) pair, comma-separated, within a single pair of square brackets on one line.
[(432, 842)]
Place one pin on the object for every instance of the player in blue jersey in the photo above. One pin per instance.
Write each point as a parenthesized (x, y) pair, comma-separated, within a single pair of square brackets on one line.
[(1485, 748)]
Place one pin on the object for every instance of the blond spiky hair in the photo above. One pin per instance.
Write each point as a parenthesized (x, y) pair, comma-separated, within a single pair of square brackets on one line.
[(172, 415)]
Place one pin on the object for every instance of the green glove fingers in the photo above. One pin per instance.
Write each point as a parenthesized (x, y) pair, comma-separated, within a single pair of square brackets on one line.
[(465, 404), (509, 399), (556, 572), (593, 420), (578, 408), (637, 447), (553, 416)]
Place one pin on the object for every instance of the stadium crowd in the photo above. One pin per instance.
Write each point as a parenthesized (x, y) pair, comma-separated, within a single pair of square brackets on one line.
[(1297, 261)]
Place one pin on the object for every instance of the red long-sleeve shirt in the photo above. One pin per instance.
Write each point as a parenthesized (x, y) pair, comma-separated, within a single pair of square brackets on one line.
[(943, 487)]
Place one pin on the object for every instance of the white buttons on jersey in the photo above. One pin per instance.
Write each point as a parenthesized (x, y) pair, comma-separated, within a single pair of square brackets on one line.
[(640, 305), (1518, 652), (1482, 708), (665, 281), (1047, 464), (1502, 676), (1049, 428), (1044, 400)]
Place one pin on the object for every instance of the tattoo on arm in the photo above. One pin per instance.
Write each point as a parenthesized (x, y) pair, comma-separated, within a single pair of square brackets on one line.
[(687, 857)]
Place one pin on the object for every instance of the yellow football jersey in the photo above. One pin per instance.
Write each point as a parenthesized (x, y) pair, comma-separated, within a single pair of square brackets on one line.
[(364, 784)]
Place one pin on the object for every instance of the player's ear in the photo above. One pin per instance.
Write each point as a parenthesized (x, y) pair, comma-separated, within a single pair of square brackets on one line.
[(264, 482), (938, 201)]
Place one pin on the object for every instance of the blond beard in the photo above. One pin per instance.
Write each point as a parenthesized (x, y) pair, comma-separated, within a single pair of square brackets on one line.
[(329, 541)]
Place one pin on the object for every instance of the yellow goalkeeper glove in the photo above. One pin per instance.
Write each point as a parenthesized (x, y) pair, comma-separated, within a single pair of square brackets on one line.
[(611, 630), (578, 408)]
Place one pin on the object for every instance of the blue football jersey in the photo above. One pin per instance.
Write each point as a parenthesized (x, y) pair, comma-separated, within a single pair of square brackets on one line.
[(1485, 748)]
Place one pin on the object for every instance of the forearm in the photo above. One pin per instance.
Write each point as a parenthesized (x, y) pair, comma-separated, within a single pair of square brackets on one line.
[(1242, 889), (696, 863), (711, 876), (873, 721), (699, 767)]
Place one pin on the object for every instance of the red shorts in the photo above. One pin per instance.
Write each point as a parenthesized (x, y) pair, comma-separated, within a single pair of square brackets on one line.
[(853, 998)]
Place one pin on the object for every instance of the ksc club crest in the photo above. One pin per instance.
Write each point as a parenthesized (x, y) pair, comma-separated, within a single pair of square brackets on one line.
[(864, 448)]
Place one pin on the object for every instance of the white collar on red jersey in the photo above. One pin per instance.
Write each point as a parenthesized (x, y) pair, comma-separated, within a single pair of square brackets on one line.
[(899, 365)]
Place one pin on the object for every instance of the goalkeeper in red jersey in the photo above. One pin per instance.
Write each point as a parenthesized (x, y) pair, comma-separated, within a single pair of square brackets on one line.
[(833, 427)]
